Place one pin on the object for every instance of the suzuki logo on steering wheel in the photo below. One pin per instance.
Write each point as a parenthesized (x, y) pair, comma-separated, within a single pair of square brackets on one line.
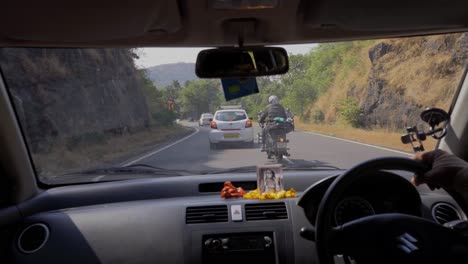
[(406, 243)]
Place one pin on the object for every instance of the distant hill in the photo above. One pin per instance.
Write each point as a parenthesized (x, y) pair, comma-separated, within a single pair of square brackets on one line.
[(163, 75)]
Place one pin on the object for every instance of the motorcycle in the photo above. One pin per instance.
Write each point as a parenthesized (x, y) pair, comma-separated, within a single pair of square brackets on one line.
[(290, 119), (275, 138)]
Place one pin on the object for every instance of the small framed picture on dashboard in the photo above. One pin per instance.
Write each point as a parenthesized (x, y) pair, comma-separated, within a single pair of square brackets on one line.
[(270, 178)]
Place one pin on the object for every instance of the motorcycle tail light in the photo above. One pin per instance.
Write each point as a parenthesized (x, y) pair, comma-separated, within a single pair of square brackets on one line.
[(282, 140), (213, 124), (248, 123)]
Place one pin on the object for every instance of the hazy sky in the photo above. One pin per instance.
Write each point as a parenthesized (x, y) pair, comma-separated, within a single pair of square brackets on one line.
[(156, 56)]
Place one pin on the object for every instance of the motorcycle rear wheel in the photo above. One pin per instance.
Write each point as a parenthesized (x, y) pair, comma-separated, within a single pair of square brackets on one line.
[(279, 157)]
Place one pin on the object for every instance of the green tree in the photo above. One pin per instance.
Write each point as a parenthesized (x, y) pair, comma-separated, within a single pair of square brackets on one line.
[(156, 101), (300, 95), (298, 65), (199, 96), (309, 76)]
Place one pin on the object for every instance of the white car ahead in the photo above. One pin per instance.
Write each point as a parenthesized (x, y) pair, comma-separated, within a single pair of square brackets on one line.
[(231, 125), (205, 119)]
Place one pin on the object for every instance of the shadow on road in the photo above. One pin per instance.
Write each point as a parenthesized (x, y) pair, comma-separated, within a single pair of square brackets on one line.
[(237, 146)]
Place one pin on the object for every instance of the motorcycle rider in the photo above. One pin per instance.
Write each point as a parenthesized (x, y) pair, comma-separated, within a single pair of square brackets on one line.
[(272, 110)]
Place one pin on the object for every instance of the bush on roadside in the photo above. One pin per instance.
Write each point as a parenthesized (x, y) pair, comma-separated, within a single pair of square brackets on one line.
[(85, 139), (349, 111), (306, 116), (317, 116), (164, 117)]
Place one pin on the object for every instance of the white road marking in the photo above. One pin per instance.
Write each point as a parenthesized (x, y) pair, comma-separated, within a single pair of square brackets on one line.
[(288, 160), (161, 149), (98, 178), (359, 143)]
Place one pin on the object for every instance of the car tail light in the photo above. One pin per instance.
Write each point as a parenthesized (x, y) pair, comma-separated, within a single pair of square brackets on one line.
[(248, 123), (213, 124)]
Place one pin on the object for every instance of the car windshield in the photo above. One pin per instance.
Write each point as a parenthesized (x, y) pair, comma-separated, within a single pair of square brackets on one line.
[(230, 116), (90, 115)]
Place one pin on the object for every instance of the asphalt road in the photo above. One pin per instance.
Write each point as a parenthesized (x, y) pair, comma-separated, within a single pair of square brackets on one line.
[(306, 149)]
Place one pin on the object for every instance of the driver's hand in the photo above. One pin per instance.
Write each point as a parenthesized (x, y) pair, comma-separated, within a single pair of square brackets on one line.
[(447, 171)]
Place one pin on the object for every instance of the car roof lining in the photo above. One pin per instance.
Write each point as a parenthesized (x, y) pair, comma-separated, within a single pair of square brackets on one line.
[(193, 23)]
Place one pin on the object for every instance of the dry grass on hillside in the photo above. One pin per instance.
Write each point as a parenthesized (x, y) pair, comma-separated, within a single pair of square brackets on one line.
[(425, 78), (112, 151), (353, 82), (421, 73), (375, 137)]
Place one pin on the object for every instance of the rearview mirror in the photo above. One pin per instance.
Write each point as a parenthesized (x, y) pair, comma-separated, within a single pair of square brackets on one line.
[(241, 62)]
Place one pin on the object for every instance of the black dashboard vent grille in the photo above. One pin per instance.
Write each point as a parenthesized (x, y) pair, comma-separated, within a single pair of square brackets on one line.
[(206, 214), (444, 212), (265, 211)]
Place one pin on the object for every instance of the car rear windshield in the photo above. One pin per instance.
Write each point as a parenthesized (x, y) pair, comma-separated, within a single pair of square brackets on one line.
[(231, 116)]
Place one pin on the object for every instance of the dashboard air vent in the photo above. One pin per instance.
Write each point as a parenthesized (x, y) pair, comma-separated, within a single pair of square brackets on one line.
[(33, 238), (206, 214), (444, 212), (265, 211)]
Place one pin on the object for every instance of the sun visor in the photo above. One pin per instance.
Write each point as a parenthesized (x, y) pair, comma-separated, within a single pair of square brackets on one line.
[(397, 15), (88, 20)]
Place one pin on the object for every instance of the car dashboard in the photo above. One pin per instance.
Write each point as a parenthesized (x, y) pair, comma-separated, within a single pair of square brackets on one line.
[(184, 219)]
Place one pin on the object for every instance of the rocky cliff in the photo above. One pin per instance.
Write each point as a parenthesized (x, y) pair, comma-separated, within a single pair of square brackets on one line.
[(393, 80), (409, 75), (70, 95)]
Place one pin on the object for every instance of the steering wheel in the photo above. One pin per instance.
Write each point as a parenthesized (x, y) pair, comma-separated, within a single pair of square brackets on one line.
[(382, 238)]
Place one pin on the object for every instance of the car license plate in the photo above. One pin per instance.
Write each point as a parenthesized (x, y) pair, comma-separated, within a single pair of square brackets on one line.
[(231, 136)]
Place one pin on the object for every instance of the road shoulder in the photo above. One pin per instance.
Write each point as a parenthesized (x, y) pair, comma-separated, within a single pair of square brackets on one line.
[(359, 143), (151, 150)]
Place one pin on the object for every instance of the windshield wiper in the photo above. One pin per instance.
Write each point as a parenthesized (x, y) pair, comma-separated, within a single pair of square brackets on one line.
[(312, 167), (154, 168), (254, 169), (238, 169), (158, 171), (132, 169)]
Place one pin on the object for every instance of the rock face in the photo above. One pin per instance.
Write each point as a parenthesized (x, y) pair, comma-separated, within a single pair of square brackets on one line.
[(447, 55), (72, 93), (381, 101), (378, 51)]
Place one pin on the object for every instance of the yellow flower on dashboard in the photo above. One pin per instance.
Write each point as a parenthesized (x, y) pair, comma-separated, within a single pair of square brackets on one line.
[(272, 195)]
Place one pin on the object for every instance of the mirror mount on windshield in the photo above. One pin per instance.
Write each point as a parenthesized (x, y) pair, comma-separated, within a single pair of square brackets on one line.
[(241, 62), (437, 119)]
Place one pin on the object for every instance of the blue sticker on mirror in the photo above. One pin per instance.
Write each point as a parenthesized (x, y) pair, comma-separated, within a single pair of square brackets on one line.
[(237, 88)]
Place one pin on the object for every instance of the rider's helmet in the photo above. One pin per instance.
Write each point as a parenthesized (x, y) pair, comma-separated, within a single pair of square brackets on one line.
[(273, 99)]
